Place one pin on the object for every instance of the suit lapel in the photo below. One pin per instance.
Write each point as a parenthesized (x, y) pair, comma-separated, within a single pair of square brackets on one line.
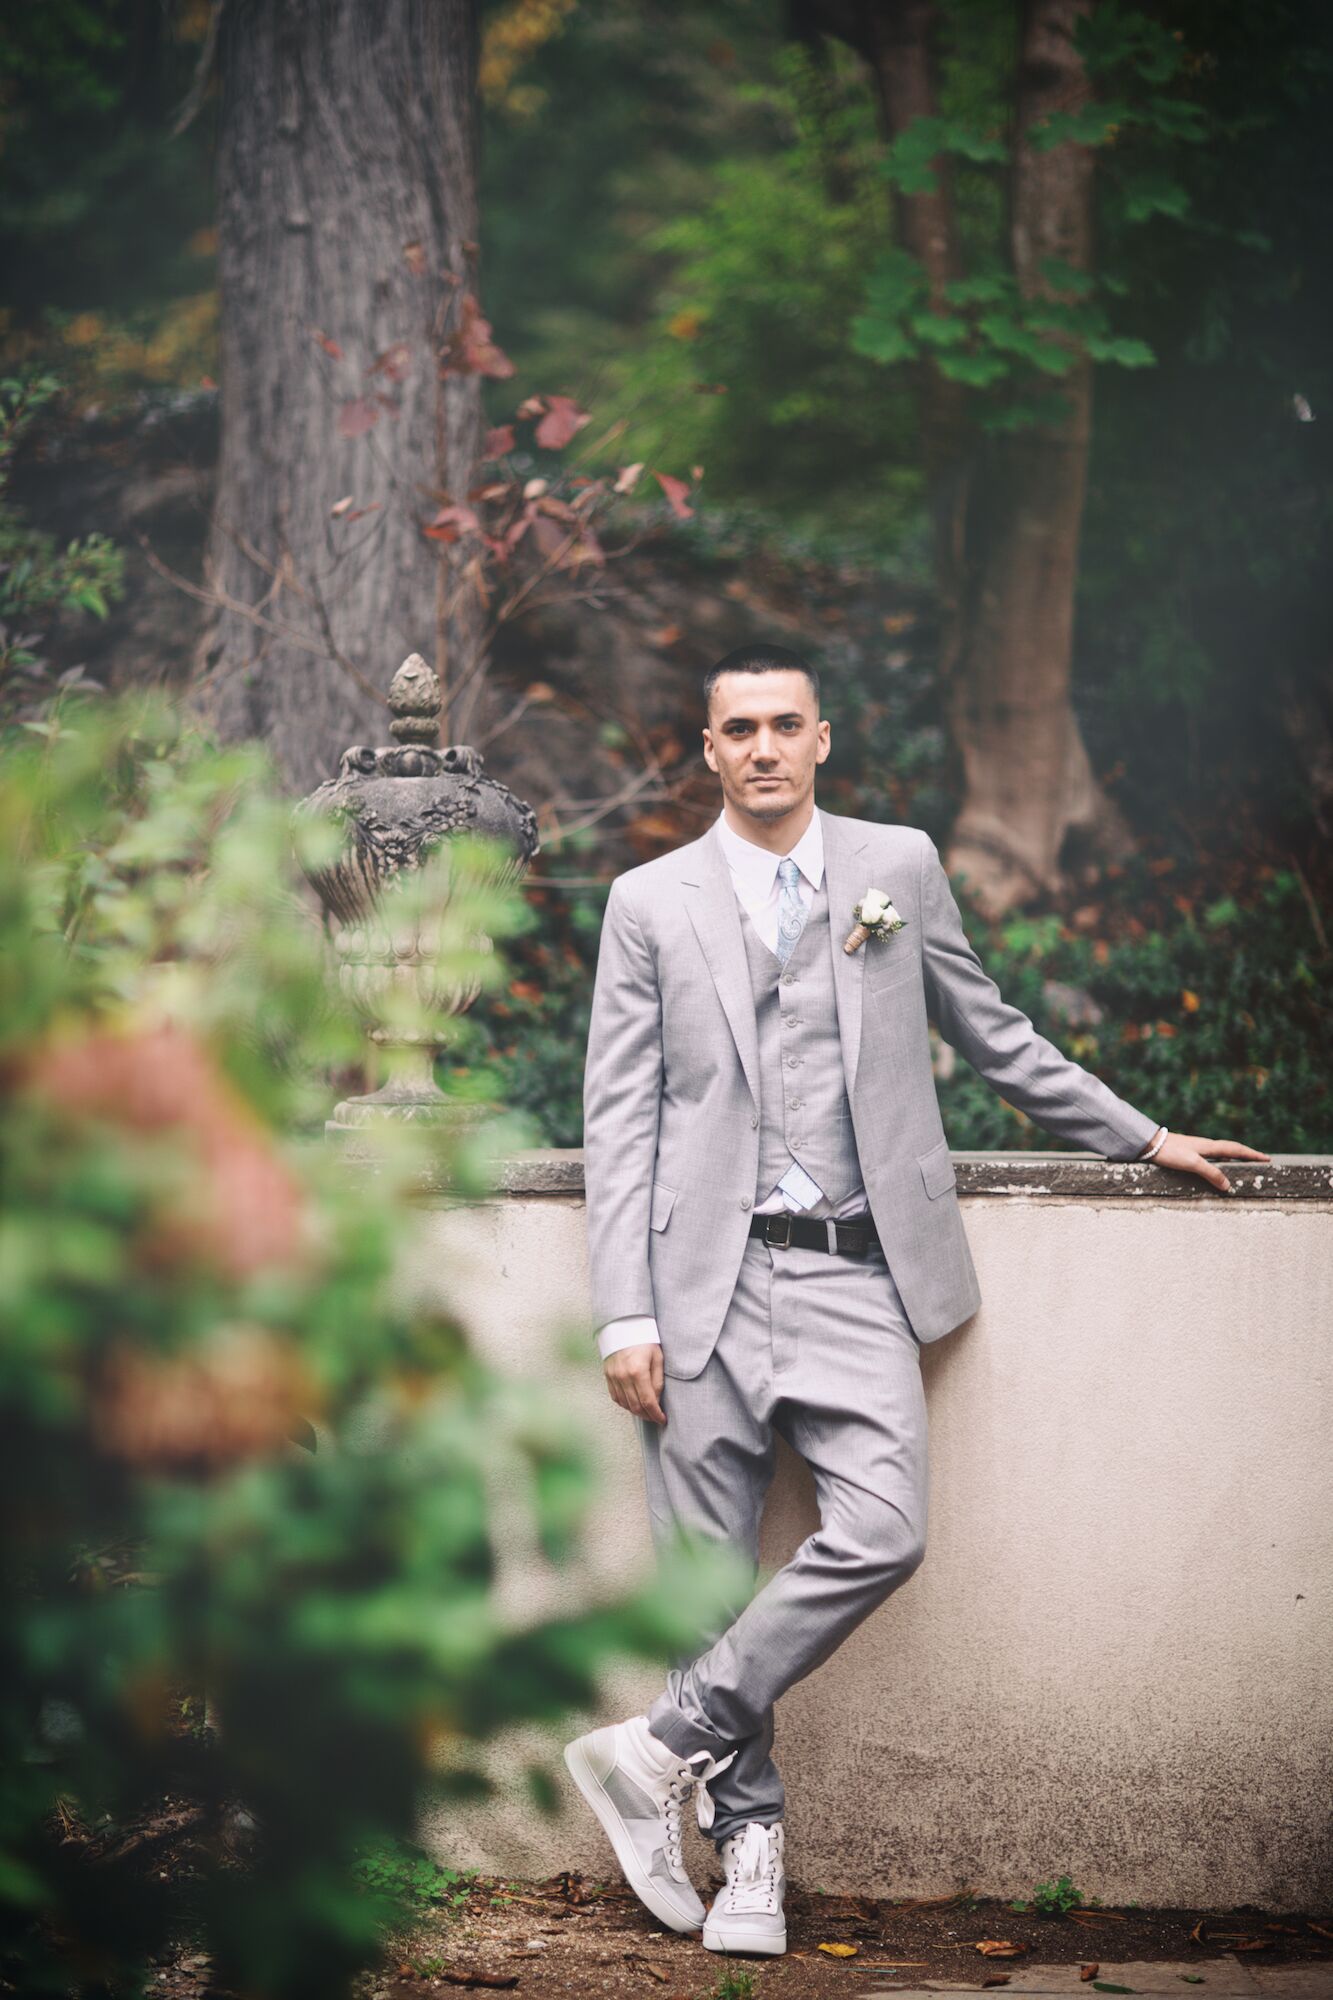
[(715, 914), (843, 848)]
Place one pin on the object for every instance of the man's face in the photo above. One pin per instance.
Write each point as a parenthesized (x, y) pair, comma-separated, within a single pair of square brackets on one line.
[(764, 739)]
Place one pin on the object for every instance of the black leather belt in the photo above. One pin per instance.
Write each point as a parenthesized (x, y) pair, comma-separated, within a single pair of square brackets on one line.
[(851, 1239)]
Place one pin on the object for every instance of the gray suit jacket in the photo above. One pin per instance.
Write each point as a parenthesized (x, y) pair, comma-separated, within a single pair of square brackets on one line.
[(671, 1084)]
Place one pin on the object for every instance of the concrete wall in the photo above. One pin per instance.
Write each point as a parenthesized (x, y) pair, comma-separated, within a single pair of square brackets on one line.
[(1116, 1658)]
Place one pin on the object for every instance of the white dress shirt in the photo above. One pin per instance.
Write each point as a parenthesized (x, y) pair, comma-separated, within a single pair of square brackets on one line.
[(754, 877)]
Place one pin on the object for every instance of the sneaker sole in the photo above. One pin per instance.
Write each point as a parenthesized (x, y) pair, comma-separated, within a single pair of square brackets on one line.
[(748, 1942), (616, 1831)]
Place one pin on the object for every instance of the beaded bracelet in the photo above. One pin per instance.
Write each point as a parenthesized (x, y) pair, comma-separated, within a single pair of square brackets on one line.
[(1156, 1145)]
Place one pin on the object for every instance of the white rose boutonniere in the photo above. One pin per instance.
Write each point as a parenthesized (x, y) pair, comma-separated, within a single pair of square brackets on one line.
[(875, 917)]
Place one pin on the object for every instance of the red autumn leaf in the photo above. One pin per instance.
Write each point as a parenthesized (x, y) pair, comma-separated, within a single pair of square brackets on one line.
[(393, 363), (330, 347), (358, 417), (563, 420), (471, 349), (628, 478), (499, 442), (531, 406), (677, 492), (451, 524)]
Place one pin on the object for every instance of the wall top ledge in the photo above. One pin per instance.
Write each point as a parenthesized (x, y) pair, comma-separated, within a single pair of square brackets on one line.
[(558, 1170)]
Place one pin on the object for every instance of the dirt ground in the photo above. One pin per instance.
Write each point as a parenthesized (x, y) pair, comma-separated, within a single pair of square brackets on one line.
[(570, 1937)]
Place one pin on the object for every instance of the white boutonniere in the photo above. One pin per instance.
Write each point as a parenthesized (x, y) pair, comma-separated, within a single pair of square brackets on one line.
[(875, 918)]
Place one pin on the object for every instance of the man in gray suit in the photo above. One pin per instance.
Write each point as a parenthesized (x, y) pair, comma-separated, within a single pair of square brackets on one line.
[(774, 1233)]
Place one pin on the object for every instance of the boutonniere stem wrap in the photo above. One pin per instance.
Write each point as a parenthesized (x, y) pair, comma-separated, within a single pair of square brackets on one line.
[(875, 918)]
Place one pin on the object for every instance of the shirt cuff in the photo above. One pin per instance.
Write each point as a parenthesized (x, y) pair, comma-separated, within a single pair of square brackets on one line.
[(636, 1331)]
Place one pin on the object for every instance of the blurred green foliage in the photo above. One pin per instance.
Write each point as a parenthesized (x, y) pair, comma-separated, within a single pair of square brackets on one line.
[(230, 1463), (36, 577)]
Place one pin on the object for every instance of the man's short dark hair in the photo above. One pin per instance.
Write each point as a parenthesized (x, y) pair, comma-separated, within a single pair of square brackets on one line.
[(759, 660)]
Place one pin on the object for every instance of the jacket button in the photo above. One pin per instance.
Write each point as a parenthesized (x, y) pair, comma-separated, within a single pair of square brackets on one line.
[(745, 1201), (753, 1122)]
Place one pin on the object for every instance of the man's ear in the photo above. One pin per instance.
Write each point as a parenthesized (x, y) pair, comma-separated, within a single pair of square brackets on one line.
[(709, 755)]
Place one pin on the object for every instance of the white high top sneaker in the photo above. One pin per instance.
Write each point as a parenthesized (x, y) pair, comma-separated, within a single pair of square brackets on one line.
[(637, 1785), (747, 1915)]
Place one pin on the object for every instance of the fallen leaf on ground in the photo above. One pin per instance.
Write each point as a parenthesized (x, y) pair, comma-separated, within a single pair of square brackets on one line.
[(1097, 1916), (1105, 1986), (1320, 1930), (840, 1950), (1000, 1948), (996, 1979), (1089, 1971), (637, 1961)]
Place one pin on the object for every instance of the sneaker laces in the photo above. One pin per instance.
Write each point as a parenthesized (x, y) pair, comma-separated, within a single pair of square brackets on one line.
[(752, 1868), (684, 1780)]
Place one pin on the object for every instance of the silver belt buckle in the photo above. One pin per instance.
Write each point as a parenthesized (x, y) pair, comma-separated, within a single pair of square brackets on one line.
[(782, 1242)]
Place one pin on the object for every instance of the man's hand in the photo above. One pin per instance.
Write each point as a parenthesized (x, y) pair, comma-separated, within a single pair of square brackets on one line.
[(1191, 1155), (634, 1378)]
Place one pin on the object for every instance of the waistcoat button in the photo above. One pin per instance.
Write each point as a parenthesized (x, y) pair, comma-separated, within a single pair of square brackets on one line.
[(745, 1201)]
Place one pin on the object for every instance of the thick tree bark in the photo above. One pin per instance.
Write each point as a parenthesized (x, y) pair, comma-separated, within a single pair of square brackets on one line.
[(347, 222), (1028, 784)]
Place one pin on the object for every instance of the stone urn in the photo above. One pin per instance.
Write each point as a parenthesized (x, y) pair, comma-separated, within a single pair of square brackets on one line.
[(396, 806)]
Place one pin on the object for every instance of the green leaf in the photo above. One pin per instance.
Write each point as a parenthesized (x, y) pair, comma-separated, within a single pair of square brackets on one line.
[(878, 341), (1126, 353), (1092, 125), (980, 290), (977, 370), (937, 330)]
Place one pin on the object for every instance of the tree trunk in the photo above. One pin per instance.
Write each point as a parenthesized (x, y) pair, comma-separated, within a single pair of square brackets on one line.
[(347, 223), (1027, 782)]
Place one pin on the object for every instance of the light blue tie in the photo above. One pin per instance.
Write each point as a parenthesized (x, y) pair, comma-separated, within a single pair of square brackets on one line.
[(791, 910)]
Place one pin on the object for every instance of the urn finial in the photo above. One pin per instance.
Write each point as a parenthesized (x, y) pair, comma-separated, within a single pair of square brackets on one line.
[(414, 698)]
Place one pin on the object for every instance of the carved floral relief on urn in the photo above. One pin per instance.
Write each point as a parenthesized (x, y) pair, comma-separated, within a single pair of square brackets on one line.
[(397, 807)]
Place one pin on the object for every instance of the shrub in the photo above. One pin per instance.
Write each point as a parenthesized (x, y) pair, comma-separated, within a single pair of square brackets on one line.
[(228, 1464)]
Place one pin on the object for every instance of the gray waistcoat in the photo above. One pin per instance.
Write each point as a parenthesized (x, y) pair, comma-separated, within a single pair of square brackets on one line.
[(803, 1109)]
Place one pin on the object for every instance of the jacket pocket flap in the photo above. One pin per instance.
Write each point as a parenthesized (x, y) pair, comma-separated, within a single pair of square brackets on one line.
[(664, 1199), (937, 1169)]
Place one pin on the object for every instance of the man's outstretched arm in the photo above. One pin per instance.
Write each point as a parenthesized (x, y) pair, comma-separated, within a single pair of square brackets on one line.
[(1024, 1067)]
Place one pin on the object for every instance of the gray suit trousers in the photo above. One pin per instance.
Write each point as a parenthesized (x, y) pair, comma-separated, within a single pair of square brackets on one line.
[(816, 1349)]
